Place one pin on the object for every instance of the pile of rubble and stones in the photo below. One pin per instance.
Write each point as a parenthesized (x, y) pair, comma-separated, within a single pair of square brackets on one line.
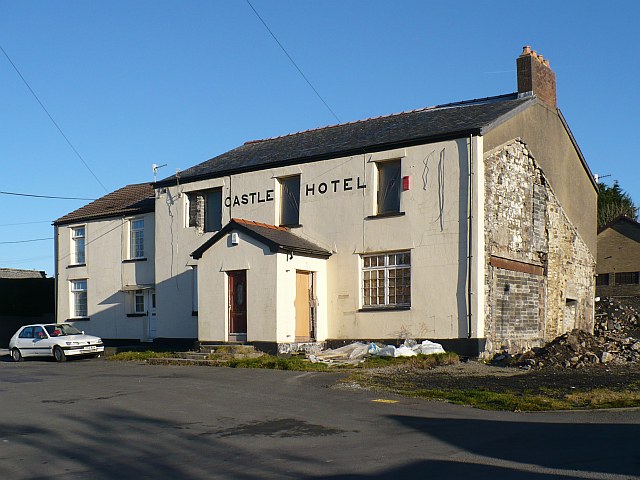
[(616, 340)]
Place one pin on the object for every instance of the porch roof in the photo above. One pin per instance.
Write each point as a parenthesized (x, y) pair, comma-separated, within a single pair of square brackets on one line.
[(278, 239)]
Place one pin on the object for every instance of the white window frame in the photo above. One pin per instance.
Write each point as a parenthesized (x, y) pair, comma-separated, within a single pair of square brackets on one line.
[(133, 240), (77, 240), (78, 290), (384, 263), (187, 203), (137, 294)]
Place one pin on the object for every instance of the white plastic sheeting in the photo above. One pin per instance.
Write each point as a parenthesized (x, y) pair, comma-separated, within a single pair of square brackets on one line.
[(355, 353)]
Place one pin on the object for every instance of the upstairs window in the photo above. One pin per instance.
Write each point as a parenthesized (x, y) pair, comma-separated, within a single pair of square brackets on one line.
[(78, 245), (79, 298), (290, 201), (203, 210), (386, 280), (137, 238), (388, 187), (602, 279), (213, 210)]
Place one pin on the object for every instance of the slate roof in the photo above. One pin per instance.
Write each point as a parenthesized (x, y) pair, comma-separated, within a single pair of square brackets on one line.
[(278, 239), (130, 200), (16, 273), (453, 120), (620, 219)]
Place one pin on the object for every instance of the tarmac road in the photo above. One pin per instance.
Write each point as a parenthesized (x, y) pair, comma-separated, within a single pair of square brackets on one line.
[(97, 419)]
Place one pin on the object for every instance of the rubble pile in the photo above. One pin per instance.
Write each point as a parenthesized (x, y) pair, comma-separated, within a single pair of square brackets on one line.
[(616, 340)]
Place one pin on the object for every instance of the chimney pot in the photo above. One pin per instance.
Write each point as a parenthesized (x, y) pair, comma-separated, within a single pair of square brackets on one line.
[(526, 50)]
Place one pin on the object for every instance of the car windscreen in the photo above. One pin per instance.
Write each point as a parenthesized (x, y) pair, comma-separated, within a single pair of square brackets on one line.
[(62, 330)]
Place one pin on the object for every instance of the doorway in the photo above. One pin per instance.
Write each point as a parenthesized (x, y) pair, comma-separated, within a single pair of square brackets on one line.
[(305, 307), (237, 305), (151, 331)]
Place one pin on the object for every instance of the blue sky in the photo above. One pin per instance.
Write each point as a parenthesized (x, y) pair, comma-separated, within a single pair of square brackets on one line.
[(132, 83)]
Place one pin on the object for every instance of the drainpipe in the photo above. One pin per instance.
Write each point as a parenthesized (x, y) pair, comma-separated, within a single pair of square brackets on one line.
[(470, 233), (55, 271)]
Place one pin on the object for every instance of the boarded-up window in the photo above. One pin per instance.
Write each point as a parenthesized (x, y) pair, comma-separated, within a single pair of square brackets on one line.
[(204, 210), (213, 210), (290, 201), (389, 187), (627, 278)]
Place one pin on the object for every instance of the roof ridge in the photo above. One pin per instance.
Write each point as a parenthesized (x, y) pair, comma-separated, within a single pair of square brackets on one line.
[(259, 224), (474, 101)]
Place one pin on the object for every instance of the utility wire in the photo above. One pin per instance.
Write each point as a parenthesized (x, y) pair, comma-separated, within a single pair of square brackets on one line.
[(27, 241), (293, 62), (52, 120), (44, 196), (23, 223)]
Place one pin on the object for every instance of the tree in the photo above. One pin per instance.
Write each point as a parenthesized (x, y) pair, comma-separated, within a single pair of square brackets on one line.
[(613, 202)]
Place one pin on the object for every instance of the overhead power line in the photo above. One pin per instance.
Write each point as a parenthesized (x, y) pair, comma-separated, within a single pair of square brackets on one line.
[(52, 120), (23, 223), (293, 62), (44, 196), (27, 241)]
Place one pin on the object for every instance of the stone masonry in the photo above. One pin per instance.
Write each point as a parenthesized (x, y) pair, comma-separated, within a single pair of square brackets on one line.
[(539, 274)]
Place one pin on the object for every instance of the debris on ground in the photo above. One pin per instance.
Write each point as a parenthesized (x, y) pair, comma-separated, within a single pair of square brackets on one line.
[(356, 352), (616, 341)]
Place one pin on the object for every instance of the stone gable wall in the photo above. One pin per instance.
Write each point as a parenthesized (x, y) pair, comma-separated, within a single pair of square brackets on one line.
[(525, 224)]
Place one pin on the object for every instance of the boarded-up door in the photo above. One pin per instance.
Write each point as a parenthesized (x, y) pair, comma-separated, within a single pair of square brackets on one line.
[(237, 302), (303, 306)]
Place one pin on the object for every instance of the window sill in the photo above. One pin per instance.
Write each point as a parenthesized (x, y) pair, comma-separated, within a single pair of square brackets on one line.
[(136, 314), (398, 308), (297, 225), (384, 215), (79, 319), (132, 260), (75, 265)]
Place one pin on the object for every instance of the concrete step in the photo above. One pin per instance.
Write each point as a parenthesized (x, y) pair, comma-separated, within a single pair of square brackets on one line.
[(229, 349)]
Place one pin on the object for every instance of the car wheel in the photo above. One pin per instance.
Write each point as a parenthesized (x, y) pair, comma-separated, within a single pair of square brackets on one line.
[(16, 355), (58, 354)]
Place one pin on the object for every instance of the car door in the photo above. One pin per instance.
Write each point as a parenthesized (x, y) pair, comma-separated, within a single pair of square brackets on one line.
[(24, 342), (41, 342)]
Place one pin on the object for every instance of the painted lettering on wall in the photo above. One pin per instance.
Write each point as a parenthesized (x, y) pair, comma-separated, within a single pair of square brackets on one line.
[(334, 186), (249, 198)]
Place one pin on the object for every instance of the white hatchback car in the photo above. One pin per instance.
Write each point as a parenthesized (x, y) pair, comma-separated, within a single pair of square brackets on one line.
[(59, 340)]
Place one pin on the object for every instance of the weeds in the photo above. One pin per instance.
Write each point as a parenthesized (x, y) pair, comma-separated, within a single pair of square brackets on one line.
[(140, 355)]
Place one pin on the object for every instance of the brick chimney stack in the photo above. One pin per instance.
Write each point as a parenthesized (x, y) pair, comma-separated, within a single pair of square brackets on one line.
[(535, 75)]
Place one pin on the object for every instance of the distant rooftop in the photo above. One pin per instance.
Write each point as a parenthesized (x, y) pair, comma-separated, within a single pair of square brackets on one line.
[(452, 120), (130, 200), (16, 273)]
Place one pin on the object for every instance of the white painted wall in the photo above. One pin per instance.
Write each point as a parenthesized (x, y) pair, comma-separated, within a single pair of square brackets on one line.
[(433, 228), (107, 245)]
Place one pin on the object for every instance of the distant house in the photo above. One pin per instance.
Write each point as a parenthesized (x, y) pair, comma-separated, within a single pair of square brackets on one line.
[(618, 266), (105, 265), (26, 296), (470, 223)]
